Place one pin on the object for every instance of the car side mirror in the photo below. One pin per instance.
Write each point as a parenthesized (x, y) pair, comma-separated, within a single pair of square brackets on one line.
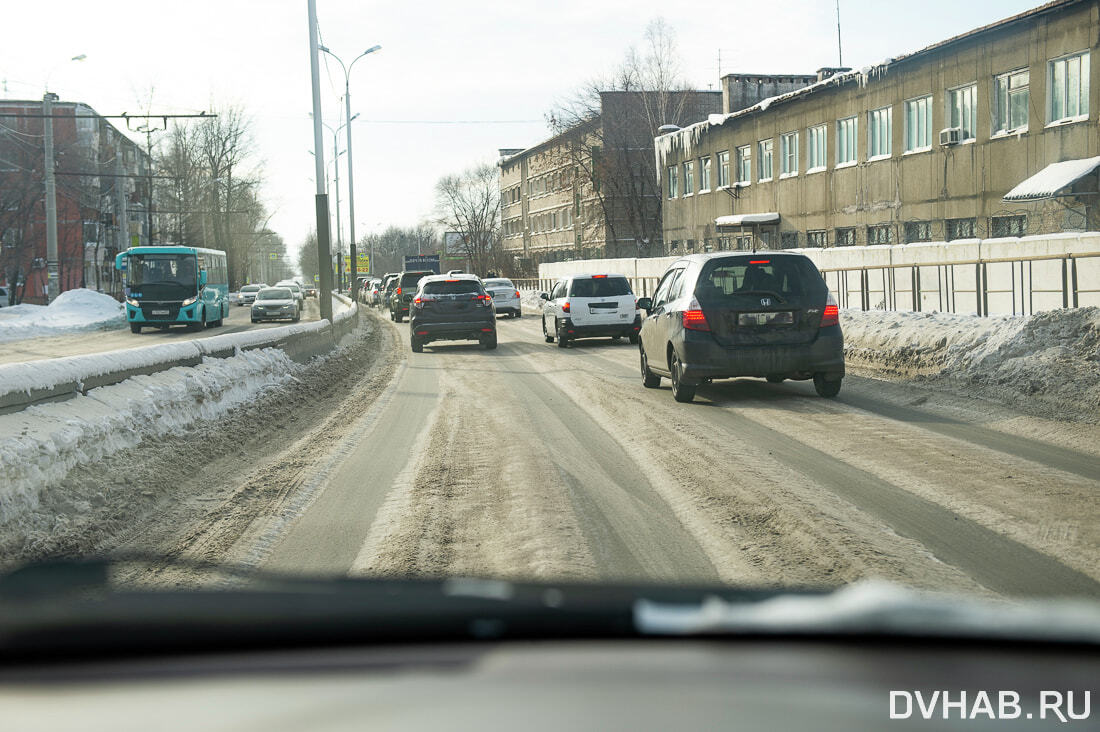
[(544, 295), (202, 278), (645, 303)]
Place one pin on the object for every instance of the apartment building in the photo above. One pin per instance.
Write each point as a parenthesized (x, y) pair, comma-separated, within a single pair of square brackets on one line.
[(960, 139), (591, 191), (101, 197)]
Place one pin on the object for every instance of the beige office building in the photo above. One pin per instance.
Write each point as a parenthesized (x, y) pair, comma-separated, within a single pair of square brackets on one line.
[(954, 141)]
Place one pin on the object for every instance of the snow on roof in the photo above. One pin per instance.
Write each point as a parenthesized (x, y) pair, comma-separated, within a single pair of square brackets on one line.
[(1053, 178), (739, 219)]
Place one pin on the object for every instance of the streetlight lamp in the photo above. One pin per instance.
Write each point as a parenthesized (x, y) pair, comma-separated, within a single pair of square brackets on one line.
[(351, 172)]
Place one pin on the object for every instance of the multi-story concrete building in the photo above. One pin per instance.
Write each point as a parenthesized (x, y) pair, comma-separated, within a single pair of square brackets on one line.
[(101, 197), (925, 147), (591, 191)]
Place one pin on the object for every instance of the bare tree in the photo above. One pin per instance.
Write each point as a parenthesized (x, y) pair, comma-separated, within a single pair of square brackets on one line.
[(469, 203), (608, 127)]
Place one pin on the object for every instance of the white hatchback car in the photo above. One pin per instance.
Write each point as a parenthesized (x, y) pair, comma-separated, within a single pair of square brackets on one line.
[(505, 295), (590, 306)]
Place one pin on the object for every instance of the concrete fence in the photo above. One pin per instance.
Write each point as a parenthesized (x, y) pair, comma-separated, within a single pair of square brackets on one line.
[(1012, 276), (34, 382)]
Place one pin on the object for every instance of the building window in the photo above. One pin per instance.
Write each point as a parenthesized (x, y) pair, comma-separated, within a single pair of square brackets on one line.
[(962, 110), (959, 229), (845, 237), (918, 124), (673, 181), (744, 165), (816, 239), (723, 168), (1010, 101), (1069, 87), (1008, 226), (918, 231), (879, 139), (788, 154), (765, 162), (880, 234), (788, 239), (846, 135), (819, 145), (704, 174), (689, 177), (724, 243)]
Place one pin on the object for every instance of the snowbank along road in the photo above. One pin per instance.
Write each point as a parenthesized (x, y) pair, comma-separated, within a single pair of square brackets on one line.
[(534, 461)]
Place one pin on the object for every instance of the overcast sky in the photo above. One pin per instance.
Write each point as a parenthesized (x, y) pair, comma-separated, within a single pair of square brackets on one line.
[(453, 82)]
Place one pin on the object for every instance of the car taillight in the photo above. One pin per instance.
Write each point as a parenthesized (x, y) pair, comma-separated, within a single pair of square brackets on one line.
[(418, 301), (517, 294), (484, 299), (565, 307), (831, 314), (693, 318)]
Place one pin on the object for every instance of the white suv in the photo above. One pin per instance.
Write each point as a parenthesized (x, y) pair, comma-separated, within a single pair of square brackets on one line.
[(588, 306)]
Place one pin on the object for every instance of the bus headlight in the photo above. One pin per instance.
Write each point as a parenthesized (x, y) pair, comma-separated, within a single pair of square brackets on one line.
[(189, 301), (132, 301)]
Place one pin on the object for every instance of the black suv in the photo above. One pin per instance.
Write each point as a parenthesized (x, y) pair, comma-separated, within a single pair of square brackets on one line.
[(452, 308), (723, 315), (403, 291)]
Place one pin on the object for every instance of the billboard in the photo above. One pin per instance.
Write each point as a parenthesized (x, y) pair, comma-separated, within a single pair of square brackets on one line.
[(422, 262), (453, 244)]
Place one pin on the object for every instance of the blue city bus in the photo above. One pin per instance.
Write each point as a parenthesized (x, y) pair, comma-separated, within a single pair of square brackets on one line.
[(172, 285)]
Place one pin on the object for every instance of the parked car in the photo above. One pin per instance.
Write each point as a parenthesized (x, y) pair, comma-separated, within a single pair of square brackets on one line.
[(276, 303), (247, 295), (4, 297), (452, 308), (296, 289), (723, 315), (402, 296), (590, 306), (505, 296)]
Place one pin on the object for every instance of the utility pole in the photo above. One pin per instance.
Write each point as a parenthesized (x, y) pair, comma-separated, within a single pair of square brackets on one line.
[(351, 195), (51, 199), (839, 50), (323, 258)]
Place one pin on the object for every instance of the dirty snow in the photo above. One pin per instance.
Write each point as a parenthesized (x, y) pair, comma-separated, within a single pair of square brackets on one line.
[(72, 312), (41, 444), (1048, 363)]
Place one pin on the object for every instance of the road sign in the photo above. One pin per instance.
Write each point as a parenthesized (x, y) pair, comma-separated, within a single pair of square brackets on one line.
[(362, 262), (272, 255), (316, 278)]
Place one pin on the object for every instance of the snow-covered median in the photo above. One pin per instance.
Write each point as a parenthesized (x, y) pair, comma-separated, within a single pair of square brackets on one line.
[(72, 312), (1049, 361), (41, 444)]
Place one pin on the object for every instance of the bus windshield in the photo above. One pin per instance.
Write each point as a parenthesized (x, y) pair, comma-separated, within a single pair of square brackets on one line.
[(166, 270)]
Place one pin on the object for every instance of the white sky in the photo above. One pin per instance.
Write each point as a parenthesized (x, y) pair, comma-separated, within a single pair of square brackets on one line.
[(444, 61)]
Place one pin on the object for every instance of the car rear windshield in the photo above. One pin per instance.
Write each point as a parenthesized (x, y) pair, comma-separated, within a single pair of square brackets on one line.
[(452, 287), (499, 283), (251, 288), (600, 287), (409, 279), (274, 293), (787, 276)]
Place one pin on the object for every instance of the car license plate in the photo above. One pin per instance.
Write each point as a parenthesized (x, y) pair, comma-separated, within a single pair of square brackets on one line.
[(754, 319), (158, 312)]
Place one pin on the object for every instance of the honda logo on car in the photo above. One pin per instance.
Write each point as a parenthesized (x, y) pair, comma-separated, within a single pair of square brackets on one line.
[(766, 302)]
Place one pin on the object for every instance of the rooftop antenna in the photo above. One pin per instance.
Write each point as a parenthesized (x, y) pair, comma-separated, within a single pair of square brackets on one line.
[(839, 49)]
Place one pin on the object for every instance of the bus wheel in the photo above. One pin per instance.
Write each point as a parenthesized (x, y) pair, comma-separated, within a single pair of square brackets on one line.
[(135, 328)]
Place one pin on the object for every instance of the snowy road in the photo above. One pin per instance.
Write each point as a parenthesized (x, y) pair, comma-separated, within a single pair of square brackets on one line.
[(75, 344), (532, 461)]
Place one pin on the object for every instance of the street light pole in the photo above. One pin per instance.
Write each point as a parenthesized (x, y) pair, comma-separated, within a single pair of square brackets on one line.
[(351, 170), (52, 283), (321, 198)]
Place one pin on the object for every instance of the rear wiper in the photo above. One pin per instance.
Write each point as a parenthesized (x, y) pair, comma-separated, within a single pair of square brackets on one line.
[(776, 295)]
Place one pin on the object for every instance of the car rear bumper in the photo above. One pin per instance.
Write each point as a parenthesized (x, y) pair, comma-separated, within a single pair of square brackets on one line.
[(452, 330), (604, 330), (703, 357)]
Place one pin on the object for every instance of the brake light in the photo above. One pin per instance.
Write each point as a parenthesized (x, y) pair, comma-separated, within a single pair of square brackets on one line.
[(417, 301), (760, 261), (517, 294), (482, 298), (398, 290), (831, 314), (693, 318), (565, 307), (598, 277), (450, 280)]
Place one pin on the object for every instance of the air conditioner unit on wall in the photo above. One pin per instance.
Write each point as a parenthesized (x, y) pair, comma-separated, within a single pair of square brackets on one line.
[(951, 136)]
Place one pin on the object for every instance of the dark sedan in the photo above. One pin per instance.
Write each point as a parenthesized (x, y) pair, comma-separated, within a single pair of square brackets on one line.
[(725, 315), (452, 308)]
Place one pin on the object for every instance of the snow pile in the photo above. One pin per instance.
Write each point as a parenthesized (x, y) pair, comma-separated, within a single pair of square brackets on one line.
[(1052, 179), (41, 444), (531, 302), (1049, 361), (71, 312)]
